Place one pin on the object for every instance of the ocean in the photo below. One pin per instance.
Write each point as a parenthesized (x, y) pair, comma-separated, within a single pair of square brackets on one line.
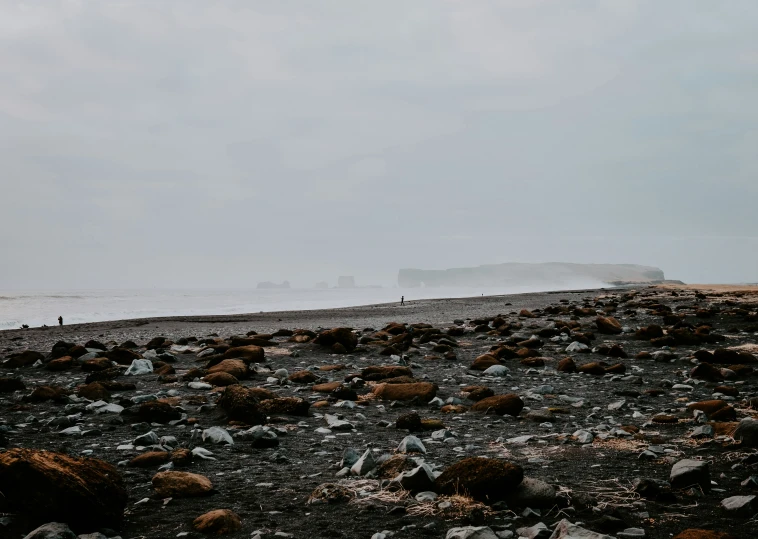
[(37, 308)]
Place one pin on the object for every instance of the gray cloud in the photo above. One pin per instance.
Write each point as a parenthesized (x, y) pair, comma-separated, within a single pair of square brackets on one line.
[(193, 143)]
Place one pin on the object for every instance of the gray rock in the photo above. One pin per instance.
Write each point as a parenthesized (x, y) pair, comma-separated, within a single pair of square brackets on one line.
[(426, 496), (740, 506), (631, 533), (567, 530), (96, 535), (576, 346), (533, 493), (687, 472), (538, 531), (442, 435), (52, 530), (411, 444), (139, 366), (335, 423), (364, 464), (471, 532), (747, 432), (497, 370), (583, 437), (418, 479), (349, 457), (702, 431), (217, 435), (149, 438)]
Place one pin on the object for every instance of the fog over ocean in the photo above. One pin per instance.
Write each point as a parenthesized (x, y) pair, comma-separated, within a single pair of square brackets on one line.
[(38, 307)]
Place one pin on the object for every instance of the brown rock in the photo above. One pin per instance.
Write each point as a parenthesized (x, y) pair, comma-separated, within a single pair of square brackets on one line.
[(164, 370), (88, 494), (709, 406), (343, 336), (218, 522), (157, 412), (181, 457), (235, 367), (303, 377), (533, 362), (96, 364), (94, 392), (484, 362), (477, 393), (181, 485), (665, 419), (249, 354), (61, 364), (483, 479), (261, 393), (592, 368), (423, 391), (122, 356), (706, 371), (376, 373), (652, 331), (618, 368), (284, 405), (221, 379), (510, 404), (48, 393), (241, 404), (566, 365), (329, 368), (410, 421), (453, 409), (390, 468), (150, 459), (608, 326)]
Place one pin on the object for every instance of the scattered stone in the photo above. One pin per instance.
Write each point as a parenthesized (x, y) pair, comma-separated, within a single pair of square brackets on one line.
[(181, 485), (482, 478)]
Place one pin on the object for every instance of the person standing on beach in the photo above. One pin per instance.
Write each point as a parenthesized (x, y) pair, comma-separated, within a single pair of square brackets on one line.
[(402, 300), (60, 320)]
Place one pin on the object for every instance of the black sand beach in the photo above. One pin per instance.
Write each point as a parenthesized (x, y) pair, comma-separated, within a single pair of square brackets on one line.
[(598, 447)]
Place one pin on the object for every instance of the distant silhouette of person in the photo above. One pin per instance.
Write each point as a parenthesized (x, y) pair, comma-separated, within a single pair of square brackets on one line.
[(402, 300), (60, 320)]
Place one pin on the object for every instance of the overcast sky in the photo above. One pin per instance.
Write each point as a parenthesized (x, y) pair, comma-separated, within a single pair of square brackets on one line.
[(189, 143)]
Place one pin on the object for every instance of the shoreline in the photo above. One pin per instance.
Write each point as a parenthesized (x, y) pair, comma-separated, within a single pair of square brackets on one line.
[(435, 310)]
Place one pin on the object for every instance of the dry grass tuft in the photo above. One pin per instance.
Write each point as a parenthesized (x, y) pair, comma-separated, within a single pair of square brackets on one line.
[(606, 493), (460, 506)]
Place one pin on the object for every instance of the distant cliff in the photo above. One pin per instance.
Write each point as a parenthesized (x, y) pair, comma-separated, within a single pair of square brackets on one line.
[(515, 274)]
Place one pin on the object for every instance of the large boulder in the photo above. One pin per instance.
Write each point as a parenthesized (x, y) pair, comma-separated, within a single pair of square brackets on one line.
[(567, 530), (483, 479), (343, 336), (241, 404), (421, 391), (510, 404), (181, 485), (88, 494)]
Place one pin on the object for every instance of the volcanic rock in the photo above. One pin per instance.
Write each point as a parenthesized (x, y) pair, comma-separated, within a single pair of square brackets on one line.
[(484, 479), (87, 494)]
